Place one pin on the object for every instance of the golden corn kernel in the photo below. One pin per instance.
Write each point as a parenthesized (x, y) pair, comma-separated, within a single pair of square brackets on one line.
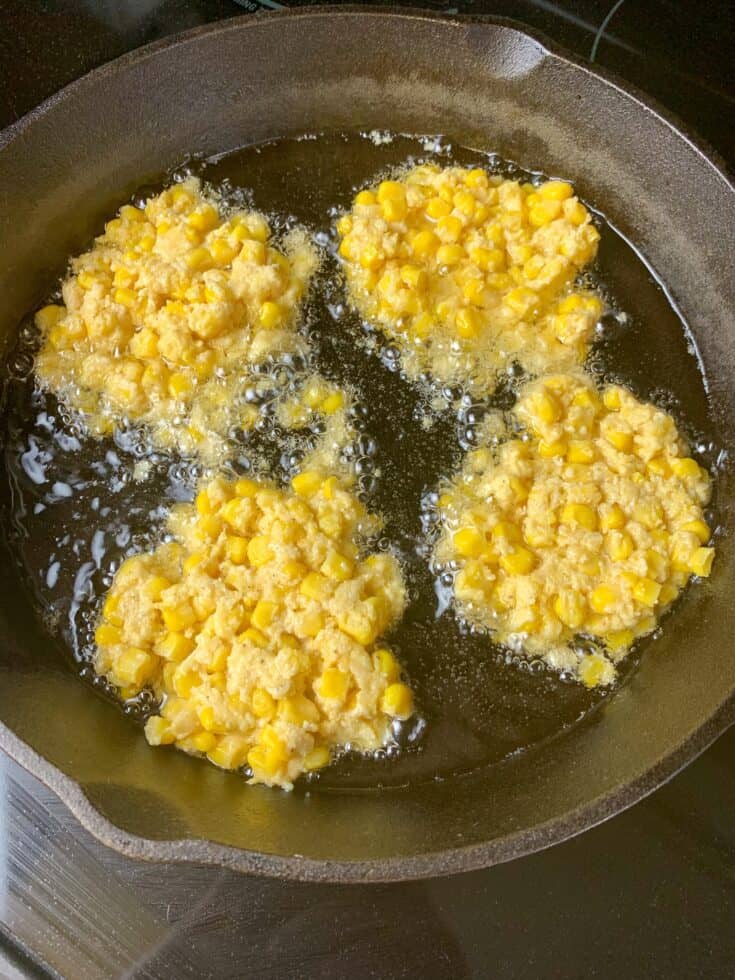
[(175, 647), (334, 684), (611, 398), (315, 586), (449, 254), (208, 719), (521, 561), (506, 530), (581, 451), (204, 742), (254, 637), (110, 609), (179, 386), (658, 466), (668, 593), (390, 190), (613, 518), (192, 561), (700, 562), (337, 566), (469, 542), (387, 664), (260, 762), (489, 259), (619, 545), (619, 640), (358, 624), (263, 613), (86, 279), (542, 211), (122, 277), (576, 212), (649, 513), (124, 296), (155, 586), (622, 441), (230, 752), (199, 258), (584, 397), (344, 224), (473, 291), (317, 758), (549, 450), (49, 316), (468, 323), (332, 403), (697, 527), (686, 468), (259, 551), (270, 315), (181, 198), (474, 576), (158, 731), (246, 488), (262, 703), (603, 598), (657, 564), (205, 219), (646, 591), (413, 276), (209, 526), (580, 514), (466, 203), (276, 751), (135, 667), (311, 623), (306, 484), (253, 252), (236, 549), (594, 670), (222, 251), (178, 618), (398, 701), (555, 190), (450, 229), (477, 178), (424, 243), (347, 248), (437, 208), (298, 710), (107, 635), (394, 210), (570, 608)]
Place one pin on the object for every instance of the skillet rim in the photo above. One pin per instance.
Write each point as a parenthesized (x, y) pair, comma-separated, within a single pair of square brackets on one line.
[(454, 859)]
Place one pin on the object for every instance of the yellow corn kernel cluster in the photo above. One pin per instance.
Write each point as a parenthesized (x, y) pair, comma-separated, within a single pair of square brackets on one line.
[(467, 270), (172, 299), (317, 396), (597, 537), (258, 627)]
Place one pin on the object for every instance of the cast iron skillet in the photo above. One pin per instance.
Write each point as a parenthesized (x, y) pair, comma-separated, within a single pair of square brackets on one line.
[(71, 162)]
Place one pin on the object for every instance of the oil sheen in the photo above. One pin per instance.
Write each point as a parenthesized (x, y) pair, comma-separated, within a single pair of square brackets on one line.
[(77, 506)]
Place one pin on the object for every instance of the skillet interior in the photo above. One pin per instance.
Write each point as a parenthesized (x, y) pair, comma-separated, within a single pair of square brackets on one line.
[(251, 80)]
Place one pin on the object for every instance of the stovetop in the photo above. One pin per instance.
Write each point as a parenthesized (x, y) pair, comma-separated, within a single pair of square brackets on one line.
[(650, 893)]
